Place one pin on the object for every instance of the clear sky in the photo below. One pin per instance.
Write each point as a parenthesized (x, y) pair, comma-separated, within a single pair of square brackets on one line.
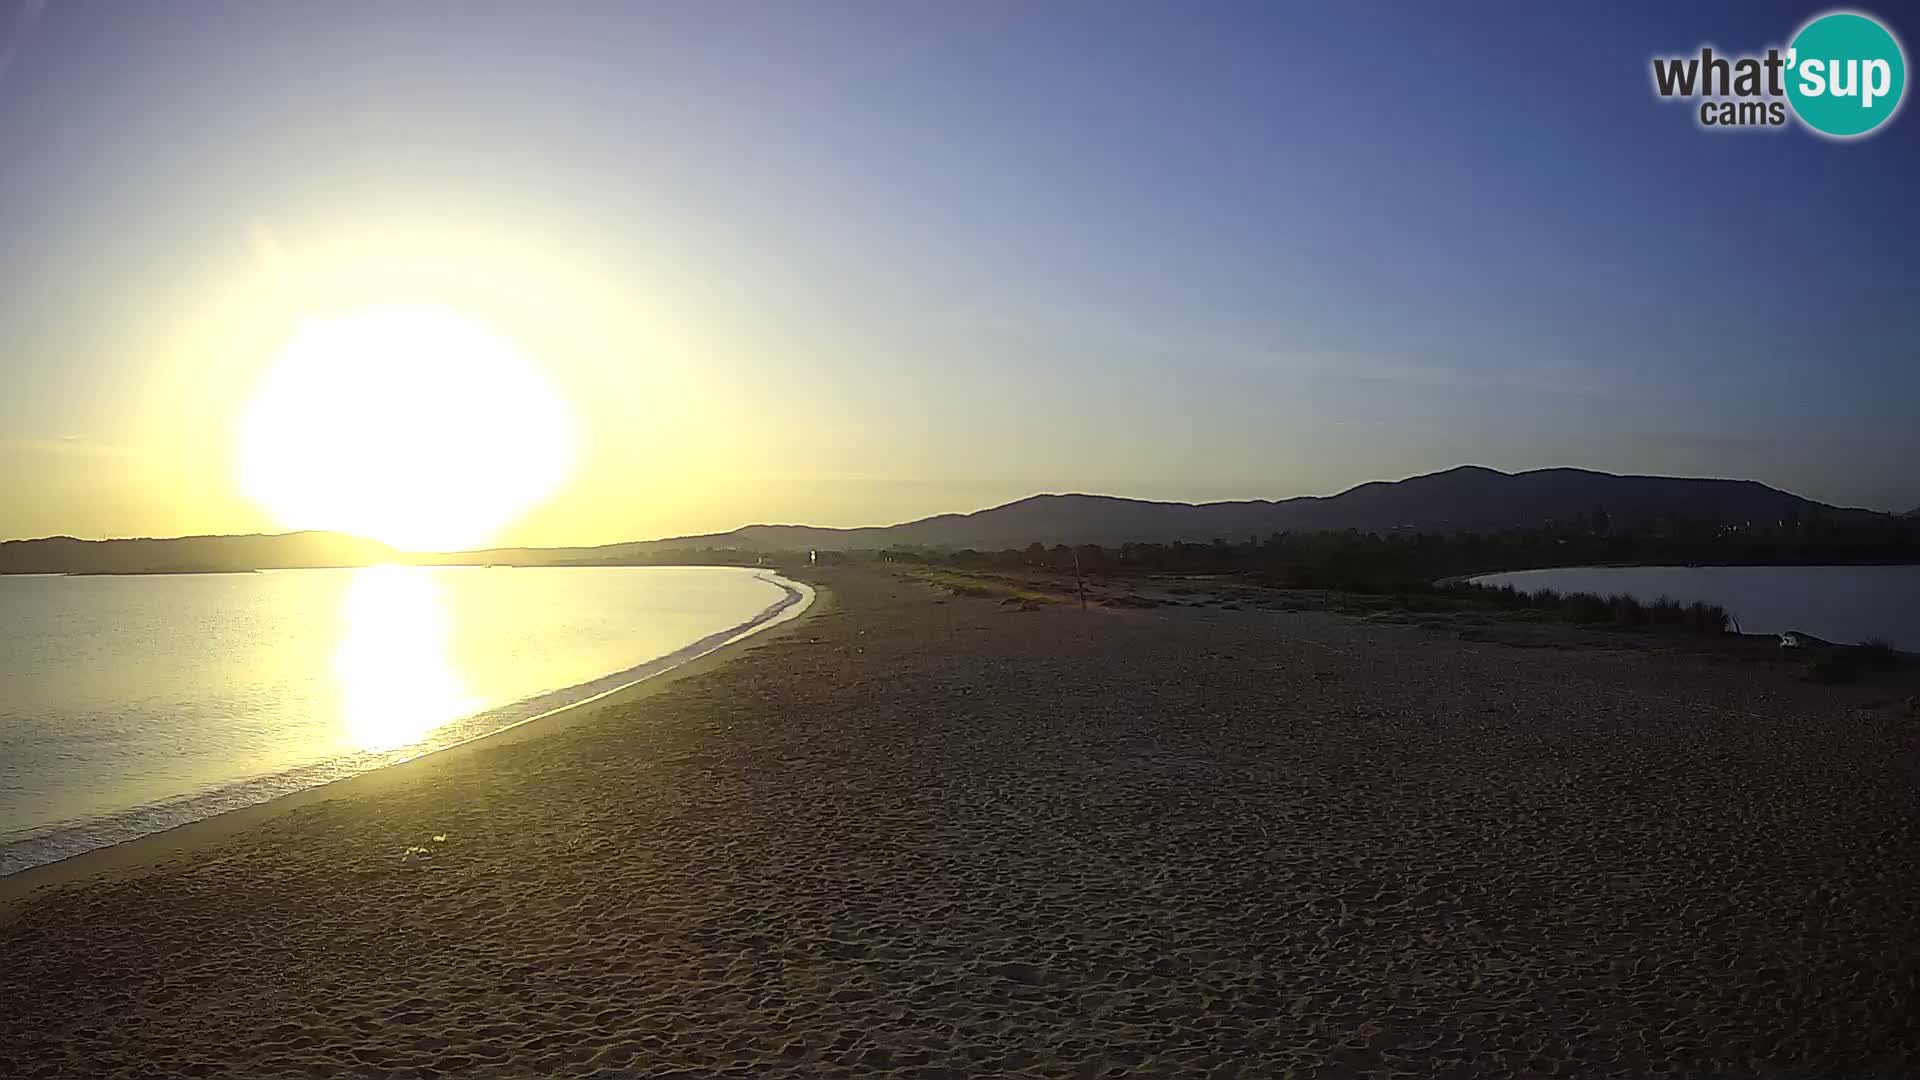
[(858, 263)]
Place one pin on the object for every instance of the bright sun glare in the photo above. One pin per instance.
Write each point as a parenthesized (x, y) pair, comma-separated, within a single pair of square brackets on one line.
[(415, 426), (396, 676)]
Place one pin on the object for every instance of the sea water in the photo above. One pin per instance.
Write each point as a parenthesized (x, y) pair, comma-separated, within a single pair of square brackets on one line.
[(133, 704)]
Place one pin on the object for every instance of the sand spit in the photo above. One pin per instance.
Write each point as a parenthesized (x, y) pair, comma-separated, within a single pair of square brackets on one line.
[(919, 837)]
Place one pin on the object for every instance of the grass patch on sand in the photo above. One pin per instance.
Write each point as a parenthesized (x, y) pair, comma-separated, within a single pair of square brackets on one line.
[(1499, 616), (1852, 663), (983, 586)]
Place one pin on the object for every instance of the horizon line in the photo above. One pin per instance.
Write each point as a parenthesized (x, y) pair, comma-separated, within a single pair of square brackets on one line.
[(951, 513)]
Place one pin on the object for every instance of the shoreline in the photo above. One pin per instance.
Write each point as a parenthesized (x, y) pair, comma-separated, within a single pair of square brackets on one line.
[(942, 836), (128, 857), (1659, 565)]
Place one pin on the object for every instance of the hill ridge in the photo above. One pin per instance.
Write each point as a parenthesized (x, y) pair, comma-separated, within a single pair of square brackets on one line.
[(1462, 498)]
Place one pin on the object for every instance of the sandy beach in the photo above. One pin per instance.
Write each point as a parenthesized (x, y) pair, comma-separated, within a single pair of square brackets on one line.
[(923, 836)]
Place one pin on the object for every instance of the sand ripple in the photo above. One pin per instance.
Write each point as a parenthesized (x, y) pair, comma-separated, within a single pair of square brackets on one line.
[(920, 839)]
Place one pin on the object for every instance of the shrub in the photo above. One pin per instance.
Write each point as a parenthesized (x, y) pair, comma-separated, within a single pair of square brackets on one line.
[(1590, 609)]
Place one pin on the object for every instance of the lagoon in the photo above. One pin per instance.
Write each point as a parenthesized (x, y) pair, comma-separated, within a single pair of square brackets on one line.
[(1840, 603)]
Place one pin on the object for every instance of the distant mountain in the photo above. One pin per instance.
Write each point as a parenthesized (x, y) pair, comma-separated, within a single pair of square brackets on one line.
[(188, 554), (1468, 498)]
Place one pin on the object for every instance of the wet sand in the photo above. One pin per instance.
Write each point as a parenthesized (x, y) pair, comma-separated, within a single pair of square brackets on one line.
[(916, 836)]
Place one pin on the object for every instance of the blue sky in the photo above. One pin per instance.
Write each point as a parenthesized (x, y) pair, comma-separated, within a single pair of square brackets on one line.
[(875, 261)]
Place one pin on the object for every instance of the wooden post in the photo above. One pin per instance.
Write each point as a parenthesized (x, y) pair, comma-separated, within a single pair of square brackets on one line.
[(1078, 581)]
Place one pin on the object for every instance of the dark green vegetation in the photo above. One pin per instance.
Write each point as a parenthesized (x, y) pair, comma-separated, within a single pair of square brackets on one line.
[(1400, 560), (1115, 584), (1416, 577), (1592, 609), (1499, 616)]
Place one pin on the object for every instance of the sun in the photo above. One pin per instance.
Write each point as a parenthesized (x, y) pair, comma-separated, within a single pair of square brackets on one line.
[(416, 426)]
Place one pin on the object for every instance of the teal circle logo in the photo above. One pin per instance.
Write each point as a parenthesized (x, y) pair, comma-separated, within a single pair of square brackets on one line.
[(1845, 74)]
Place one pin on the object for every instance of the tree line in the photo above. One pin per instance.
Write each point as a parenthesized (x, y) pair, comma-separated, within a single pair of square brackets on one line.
[(1402, 560)]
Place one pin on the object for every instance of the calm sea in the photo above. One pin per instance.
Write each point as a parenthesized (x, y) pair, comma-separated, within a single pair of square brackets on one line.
[(1839, 603), (133, 704)]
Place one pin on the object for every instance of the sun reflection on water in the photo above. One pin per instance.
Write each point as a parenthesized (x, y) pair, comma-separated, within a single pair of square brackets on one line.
[(397, 679)]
